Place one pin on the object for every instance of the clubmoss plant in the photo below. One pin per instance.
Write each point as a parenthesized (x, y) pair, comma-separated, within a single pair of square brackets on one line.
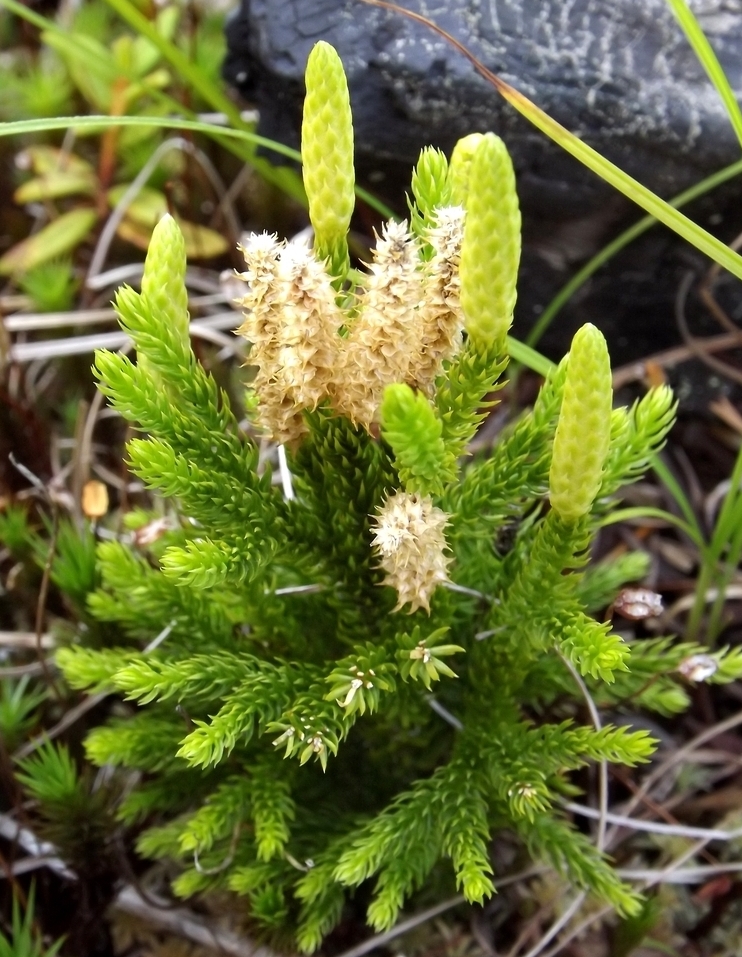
[(285, 738)]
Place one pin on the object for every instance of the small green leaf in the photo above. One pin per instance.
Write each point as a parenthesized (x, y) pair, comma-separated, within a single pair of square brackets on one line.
[(55, 185), (200, 241), (42, 160), (92, 68), (54, 240), (146, 209)]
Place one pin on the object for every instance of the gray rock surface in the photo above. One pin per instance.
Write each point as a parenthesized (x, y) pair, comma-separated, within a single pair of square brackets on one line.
[(617, 72)]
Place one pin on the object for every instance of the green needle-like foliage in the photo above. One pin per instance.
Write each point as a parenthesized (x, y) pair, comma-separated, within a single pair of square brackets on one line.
[(281, 727), (410, 425)]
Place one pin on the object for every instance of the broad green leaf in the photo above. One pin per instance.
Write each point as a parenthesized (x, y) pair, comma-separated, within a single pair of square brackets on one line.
[(157, 80), (56, 185), (92, 68), (135, 56), (144, 54), (146, 210), (147, 207), (49, 159), (54, 240), (200, 241), (166, 21)]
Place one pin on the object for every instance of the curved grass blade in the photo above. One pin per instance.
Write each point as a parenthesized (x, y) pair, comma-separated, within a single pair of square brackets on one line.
[(525, 355), (627, 236), (95, 123), (590, 157), (710, 62), (647, 511)]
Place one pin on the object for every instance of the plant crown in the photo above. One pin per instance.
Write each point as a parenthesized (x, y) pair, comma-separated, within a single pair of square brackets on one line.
[(285, 737)]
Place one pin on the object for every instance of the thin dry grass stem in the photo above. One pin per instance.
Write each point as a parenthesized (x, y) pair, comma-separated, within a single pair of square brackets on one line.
[(92, 418), (602, 765), (575, 931), (116, 481), (221, 119), (471, 592), (683, 875), (196, 277), (296, 590), (223, 865), (285, 473), (668, 358), (685, 603), (12, 831), (705, 291), (649, 878), (39, 378), (25, 639), (33, 669), (40, 616), (661, 810), (674, 758), (30, 322), (186, 924), (82, 455), (696, 345), (404, 926), (444, 713), (690, 480), (531, 930), (557, 926), (601, 815), (114, 220), (41, 321), (24, 352), (70, 717), (656, 827), (724, 410)]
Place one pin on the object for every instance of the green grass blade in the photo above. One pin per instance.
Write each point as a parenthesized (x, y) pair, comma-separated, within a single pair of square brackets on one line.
[(30, 15), (635, 191), (726, 521), (103, 122), (219, 133), (646, 511), (717, 568), (705, 53), (527, 356), (589, 157), (673, 486), (627, 236), (729, 569)]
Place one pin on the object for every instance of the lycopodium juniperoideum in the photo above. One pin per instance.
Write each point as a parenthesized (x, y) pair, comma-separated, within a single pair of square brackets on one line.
[(283, 733)]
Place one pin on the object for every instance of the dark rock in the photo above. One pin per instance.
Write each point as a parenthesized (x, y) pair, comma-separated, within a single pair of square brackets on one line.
[(620, 74)]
